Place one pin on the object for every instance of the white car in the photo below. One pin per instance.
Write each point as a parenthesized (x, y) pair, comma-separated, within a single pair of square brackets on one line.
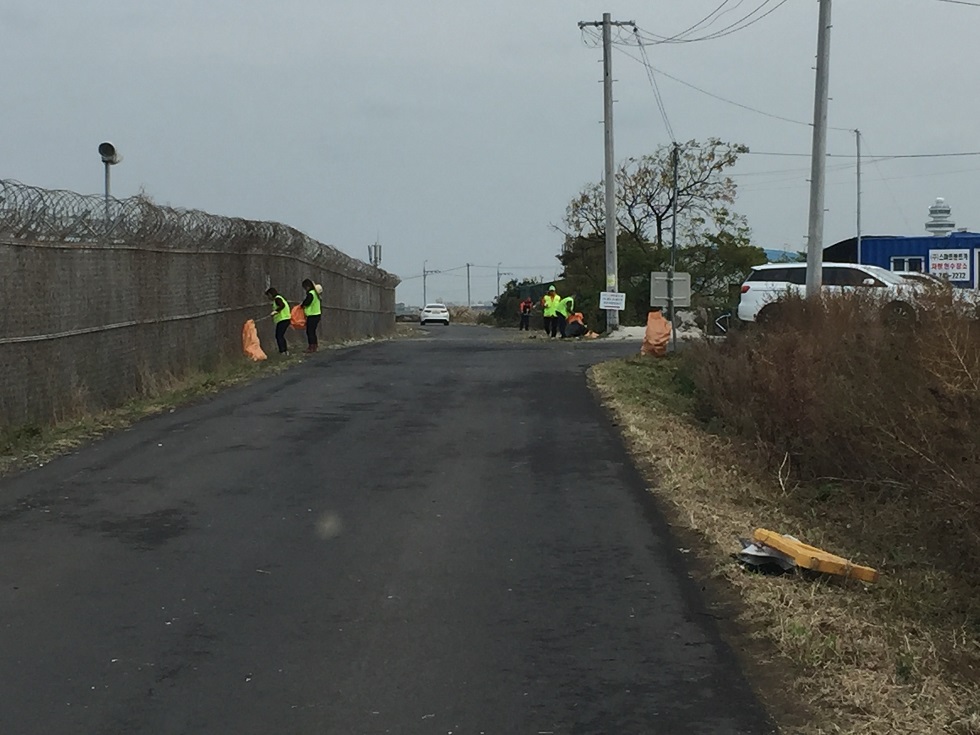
[(766, 283), (967, 299), (926, 279), (434, 313)]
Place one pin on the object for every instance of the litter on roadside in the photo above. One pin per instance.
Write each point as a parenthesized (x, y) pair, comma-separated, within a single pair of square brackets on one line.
[(776, 551), (656, 336), (250, 342), (763, 558)]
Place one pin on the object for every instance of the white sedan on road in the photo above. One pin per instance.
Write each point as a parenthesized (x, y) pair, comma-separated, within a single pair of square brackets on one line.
[(434, 313)]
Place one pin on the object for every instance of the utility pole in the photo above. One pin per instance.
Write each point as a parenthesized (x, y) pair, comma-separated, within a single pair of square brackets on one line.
[(818, 157), (857, 136), (469, 301), (425, 274), (612, 265), (673, 253), (499, 274)]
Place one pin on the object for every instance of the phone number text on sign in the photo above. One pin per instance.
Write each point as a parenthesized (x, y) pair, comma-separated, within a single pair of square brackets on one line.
[(953, 265)]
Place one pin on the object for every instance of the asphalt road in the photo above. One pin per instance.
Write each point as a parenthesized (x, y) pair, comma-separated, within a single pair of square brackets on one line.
[(438, 535)]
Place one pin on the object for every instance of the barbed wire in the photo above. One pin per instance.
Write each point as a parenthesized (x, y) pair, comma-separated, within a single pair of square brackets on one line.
[(60, 216)]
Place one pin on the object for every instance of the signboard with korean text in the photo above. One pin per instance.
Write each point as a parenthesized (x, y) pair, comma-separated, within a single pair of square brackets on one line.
[(612, 300), (953, 265)]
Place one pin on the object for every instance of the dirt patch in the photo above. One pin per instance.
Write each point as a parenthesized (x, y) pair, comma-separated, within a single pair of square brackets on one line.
[(828, 656)]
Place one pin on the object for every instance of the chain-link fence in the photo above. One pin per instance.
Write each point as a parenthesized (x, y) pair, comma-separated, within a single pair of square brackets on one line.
[(104, 297)]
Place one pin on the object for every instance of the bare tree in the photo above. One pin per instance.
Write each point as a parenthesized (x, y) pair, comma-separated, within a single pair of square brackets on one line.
[(645, 193)]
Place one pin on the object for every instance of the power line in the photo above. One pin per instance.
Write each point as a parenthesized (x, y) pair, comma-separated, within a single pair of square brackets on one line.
[(718, 97), (739, 25), (655, 86), (929, 175), (742, 23), (706, 19), (836, 167), (876, 158), (961, 2), (881, 177), (928, 155)]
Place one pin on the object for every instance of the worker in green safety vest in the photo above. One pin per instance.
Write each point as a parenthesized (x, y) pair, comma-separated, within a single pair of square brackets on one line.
[(312, 309), (549, 304), (280, 318), (563, 308)]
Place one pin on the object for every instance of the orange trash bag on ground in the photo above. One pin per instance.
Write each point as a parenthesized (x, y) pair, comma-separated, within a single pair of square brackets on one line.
[(250, 342), (657, 335), (297, 317)]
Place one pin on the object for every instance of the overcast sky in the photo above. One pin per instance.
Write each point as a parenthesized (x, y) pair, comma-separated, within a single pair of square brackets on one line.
[(457, 131)]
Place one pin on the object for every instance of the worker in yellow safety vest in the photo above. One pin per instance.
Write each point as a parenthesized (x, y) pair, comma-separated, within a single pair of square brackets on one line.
[(550, 303), (311, 307), (565, 307), (280, 317)]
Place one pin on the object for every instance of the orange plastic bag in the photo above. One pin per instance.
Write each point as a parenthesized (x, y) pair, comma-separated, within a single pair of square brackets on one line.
[(657, 335), (297, 317), (250, 342)]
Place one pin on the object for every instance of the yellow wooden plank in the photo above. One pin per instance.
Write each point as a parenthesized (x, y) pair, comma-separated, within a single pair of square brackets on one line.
[(810, 557)]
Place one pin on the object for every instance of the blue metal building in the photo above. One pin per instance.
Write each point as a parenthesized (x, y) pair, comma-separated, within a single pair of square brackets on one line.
[(955, 257)]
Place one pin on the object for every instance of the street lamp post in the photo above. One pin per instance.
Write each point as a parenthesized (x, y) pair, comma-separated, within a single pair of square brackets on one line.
[(110, 157)]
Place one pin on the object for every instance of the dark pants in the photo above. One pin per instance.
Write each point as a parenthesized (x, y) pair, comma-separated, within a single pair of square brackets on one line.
[(553, 325), (312, 322), (281, 328), (525, 323)]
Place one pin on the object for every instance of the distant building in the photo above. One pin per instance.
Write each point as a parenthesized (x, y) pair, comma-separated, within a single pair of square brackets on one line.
[(782, 256), (939, 223), (953, 255)]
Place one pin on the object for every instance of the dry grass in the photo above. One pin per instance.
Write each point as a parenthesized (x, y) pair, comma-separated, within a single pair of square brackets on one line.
[(33, 445), (902, 656), (22, 447)]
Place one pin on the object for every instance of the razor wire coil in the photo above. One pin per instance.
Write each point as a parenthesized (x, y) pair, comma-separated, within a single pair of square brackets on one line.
[(61, 216)]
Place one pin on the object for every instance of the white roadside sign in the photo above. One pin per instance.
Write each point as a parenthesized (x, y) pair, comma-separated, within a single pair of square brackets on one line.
[(612, 300), (953, 265)]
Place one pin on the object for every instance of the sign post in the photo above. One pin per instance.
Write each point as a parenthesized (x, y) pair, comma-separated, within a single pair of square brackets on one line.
[(670, 290)]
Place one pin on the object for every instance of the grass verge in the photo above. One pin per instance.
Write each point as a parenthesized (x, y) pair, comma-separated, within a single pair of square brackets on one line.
[(901, 656), (22, 447), (33, 445)]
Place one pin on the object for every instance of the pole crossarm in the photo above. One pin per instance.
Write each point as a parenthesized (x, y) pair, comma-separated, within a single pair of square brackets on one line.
[(598, 23)]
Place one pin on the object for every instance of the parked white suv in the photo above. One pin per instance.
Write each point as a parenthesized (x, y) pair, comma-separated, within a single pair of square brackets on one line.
[(766, 283)]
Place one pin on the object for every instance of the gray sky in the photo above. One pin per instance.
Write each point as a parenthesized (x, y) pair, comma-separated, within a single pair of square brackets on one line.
[(458, 131)]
